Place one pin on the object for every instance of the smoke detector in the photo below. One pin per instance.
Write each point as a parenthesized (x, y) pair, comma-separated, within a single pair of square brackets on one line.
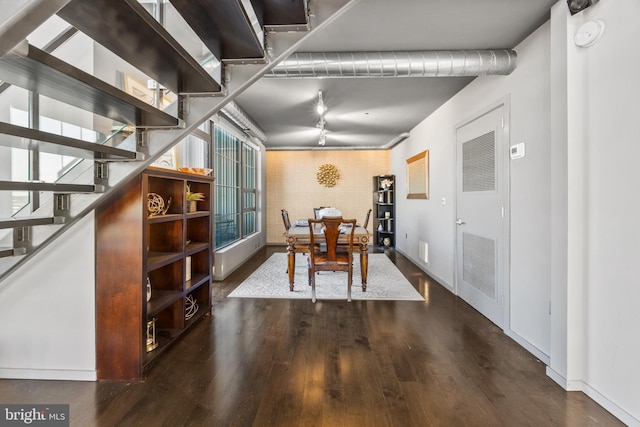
[(588, 33)]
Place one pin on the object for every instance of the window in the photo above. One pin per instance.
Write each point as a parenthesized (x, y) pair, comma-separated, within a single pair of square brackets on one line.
[(194, 151), (51, 166), (235, 187), (248, 189)]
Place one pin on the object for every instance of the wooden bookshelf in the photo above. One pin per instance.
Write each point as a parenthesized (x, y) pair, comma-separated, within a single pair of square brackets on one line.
[(132, 245)]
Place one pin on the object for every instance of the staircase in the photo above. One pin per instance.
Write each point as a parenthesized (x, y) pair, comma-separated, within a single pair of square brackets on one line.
[(243, 39)]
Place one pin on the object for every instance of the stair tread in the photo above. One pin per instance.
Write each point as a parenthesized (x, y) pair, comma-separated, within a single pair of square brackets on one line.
[(9, 251), (284, 13), (224, 28), (33, 139), (23, 222), (49, 186), (140, 40), (43, 73)]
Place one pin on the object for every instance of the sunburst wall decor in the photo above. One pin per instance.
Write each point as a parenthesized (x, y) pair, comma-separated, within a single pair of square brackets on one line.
[(328, 175)]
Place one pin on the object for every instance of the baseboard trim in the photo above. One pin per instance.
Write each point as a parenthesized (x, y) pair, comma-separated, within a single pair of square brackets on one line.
[(557, 378), (607, 404), (422, 267), (48, 374), (544, 358), (596, 396)]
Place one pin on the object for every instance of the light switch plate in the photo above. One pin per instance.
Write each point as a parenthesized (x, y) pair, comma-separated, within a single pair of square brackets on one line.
[(517, 151)]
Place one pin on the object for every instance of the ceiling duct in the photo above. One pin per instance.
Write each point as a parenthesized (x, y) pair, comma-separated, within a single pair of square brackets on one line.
[(241, 119), (397, 140), (437, 63)]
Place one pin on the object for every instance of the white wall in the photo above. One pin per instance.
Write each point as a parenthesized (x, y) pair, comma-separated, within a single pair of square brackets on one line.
[(49, 308), (527, 92), (573, 203), (49, 304), (603, 240)]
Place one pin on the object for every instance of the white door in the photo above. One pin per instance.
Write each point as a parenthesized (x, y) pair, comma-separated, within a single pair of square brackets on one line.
[(481, 262)]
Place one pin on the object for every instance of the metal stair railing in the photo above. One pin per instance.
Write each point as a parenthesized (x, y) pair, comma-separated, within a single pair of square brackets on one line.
[(194, 106)]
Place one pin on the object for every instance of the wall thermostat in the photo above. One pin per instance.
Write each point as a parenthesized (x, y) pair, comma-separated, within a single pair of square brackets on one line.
[(517, 151)]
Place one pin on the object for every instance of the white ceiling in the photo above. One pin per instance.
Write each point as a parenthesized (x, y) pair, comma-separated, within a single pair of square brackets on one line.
[(369, 112)]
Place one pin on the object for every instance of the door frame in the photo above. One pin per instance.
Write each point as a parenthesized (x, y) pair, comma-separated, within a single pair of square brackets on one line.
[(505, 271)]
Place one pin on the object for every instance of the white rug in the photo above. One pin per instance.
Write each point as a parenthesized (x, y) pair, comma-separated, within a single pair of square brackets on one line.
[(270, 280)]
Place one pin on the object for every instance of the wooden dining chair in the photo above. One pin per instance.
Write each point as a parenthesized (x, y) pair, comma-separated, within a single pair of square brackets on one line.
[(285, 220), (356, 247), (331, 259), (303, 249), (366, 219)]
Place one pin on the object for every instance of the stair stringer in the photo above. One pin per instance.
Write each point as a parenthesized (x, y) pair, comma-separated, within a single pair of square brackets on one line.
[(196, 110), (16, 24)]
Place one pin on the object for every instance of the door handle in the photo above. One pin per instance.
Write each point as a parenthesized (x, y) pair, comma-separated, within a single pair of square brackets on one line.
[(459, 221)]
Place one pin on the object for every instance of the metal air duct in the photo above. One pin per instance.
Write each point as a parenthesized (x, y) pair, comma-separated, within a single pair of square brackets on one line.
[(237, 115), (440, 63)]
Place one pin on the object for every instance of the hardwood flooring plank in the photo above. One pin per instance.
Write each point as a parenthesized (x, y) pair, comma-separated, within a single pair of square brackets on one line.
[(270, 403), (260, 362)]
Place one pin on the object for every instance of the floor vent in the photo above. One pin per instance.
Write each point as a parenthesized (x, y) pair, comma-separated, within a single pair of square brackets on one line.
[(423, 251)]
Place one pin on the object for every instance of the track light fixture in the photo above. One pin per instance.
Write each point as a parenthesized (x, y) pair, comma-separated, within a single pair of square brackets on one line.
[(323, 137), (320, 108), (323, 132)]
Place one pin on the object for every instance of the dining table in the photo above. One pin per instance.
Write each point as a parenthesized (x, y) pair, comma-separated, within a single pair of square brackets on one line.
[(298, 236)]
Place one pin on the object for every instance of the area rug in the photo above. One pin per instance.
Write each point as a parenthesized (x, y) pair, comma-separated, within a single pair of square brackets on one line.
[(270, 280)]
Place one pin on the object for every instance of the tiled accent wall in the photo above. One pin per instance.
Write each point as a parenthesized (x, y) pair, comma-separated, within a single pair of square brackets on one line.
[(292, 185)]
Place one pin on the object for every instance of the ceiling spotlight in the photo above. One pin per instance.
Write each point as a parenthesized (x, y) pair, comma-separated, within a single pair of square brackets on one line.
[(321, 108)]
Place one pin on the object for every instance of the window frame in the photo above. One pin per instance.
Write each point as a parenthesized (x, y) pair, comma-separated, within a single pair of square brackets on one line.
[(243, 146)]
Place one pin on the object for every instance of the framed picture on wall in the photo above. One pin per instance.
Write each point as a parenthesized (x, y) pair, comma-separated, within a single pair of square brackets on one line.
[(418, 176), (138, 89)]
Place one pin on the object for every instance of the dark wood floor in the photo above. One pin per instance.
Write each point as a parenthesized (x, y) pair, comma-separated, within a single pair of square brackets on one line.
[(258, 362)]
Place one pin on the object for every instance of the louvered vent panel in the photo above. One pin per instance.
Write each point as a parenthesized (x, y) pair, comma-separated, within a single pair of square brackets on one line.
[(479, 263), (479, 164)]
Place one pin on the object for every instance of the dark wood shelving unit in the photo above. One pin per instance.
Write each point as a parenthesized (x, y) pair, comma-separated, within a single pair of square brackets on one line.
[(384, 211), (172, 250)]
